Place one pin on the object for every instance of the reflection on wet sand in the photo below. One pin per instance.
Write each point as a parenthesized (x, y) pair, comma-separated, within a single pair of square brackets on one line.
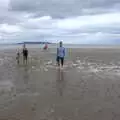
[(23, 80), (60, 82), (86, 89), (26, 75), (26, 78)]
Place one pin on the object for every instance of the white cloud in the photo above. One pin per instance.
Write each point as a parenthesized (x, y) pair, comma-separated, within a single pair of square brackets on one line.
[(37, 23), (81, 29), (26, 20), (4, 3), (75, 23), (5, 28), (87, 21)]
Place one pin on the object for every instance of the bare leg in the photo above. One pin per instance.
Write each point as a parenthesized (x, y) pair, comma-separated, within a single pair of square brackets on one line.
[(18, 61), (23, 60), (58, 61)]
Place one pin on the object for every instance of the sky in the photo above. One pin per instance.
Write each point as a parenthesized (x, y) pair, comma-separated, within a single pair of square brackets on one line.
[(70, 21)]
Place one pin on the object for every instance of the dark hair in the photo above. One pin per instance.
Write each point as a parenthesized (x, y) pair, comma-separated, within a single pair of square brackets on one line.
[(61, 42)]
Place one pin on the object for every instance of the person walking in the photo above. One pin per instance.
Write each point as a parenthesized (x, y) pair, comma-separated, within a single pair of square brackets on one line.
[(60, 54), (25, 54)]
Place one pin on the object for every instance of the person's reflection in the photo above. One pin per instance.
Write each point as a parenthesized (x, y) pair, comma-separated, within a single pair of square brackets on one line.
[(26, 74), (26, 77), (60, 82)]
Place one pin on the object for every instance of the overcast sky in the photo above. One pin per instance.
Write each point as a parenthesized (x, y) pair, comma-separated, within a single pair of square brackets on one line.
[(73, 21)]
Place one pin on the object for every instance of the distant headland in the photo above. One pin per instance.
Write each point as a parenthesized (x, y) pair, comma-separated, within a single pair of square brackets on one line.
[(34, 43)]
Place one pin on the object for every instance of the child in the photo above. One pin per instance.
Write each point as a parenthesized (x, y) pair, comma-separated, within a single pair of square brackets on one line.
[(25, 54), (18, 57), (45, 47)]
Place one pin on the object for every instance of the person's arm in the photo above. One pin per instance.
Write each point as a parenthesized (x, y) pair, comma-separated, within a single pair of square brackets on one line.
[(57, 51), (64, 51)]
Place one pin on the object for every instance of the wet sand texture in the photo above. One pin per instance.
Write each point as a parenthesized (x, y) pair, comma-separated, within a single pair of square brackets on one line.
[(88, 88)]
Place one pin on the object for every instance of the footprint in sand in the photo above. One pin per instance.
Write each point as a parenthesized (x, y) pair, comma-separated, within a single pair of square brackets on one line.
[(45, 69)]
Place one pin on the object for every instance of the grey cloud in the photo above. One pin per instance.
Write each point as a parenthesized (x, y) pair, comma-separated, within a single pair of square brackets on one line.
[(11, 17), (61, 8), (20, 13)]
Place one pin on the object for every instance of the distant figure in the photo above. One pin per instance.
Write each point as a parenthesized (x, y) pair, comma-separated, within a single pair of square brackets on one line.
[(18, 57), (60, 54), (45, 47), (25, 54)]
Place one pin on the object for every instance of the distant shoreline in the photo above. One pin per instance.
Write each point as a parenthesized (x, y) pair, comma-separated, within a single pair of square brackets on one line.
[(80, 45), (34, 43)]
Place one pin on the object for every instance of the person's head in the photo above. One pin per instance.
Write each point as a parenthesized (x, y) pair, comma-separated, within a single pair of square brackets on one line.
[(61, 43)]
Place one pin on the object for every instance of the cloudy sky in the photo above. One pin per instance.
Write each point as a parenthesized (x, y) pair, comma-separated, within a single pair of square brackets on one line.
[(73, 21)]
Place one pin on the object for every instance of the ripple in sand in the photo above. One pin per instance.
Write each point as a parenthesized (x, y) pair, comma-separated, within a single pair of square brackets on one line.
[(78, 61), (37, 70), (29, 94), (80, 67), (97, 67), (118, 74), (45, 69), (49, 62), (74, 65), (50, 66), (33, 67), (94, 70), (1, 61), (6, 86)]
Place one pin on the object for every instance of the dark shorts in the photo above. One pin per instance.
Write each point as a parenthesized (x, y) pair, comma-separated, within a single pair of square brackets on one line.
[(60, 59), (25, 57)]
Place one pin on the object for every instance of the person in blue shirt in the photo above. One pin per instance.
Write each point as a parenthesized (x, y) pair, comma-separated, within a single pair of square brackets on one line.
[(60, 54)]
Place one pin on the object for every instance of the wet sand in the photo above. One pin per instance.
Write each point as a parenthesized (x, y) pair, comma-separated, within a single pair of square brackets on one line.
[(88, 88)]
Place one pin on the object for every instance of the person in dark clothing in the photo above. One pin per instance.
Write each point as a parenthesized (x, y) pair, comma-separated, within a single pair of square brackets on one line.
[(25, 54)]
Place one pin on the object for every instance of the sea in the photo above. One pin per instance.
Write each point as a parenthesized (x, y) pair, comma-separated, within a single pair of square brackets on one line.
[(18, 46)]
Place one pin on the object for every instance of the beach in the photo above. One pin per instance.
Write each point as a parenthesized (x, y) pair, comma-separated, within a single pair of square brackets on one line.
[(88, 87)]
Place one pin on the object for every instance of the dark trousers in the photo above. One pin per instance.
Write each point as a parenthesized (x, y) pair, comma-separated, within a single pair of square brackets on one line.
[(60, 60), (25, 57)]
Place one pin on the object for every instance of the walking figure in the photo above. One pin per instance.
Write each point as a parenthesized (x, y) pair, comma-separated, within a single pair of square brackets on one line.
[(25, 54), (60, 54)]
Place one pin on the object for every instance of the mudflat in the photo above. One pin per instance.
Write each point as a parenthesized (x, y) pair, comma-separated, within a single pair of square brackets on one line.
[(87, 88)]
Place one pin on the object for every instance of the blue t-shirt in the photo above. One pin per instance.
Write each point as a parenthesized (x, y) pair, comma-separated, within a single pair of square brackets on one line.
[(61, 52)]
